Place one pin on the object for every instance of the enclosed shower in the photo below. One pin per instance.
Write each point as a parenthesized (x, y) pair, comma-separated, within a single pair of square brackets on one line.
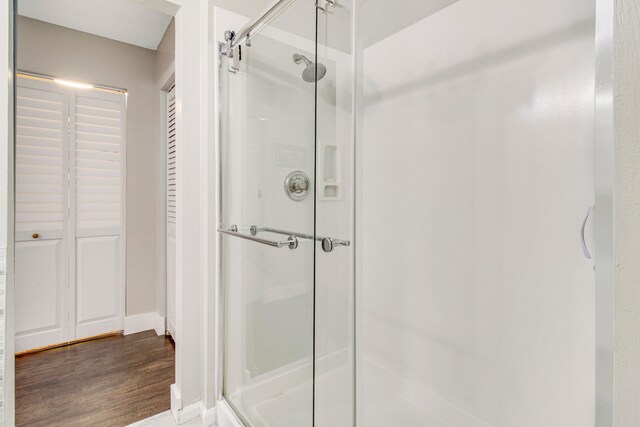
[(406, 198)]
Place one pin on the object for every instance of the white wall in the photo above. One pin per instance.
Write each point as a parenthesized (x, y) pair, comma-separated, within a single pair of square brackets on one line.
[(477, 170), (626, 96), (74, 55)]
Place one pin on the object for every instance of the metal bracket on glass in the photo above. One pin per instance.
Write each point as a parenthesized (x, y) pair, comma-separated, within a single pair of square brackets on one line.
[(328, 5), (291, 242), (227, 48), (327, 243)]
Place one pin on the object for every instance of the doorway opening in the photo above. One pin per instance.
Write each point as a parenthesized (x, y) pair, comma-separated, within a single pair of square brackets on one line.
[(95, 203)]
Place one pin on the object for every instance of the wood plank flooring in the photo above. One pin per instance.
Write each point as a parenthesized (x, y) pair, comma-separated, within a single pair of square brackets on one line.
[(109, 382)]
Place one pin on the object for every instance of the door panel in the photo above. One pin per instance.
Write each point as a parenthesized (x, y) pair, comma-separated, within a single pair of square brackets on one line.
[(171, 285), (98, 300), (40, 288), (98, 144), (41, 229), (171, 206), (268, 142)]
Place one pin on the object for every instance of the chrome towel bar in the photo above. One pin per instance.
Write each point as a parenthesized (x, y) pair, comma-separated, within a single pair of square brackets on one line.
[(328, 243), (291, 242)]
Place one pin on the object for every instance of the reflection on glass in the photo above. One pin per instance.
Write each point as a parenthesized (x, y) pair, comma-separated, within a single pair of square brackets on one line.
[(268, 133)]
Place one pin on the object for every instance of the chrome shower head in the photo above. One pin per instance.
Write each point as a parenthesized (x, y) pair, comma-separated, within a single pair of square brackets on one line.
[(312, 71)]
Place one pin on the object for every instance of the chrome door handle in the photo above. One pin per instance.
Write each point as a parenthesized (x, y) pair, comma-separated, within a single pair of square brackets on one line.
[(585, 249), (328, 243), (291, 242)]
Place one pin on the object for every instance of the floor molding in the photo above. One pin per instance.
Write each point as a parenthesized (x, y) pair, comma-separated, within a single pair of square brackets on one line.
[(188, 413), (176, 401), (208, 416), (144, 322), (64, 344)]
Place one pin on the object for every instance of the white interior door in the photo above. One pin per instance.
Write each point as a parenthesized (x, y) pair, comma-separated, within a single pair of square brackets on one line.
[(98, 144), (171, 212), (70, 177), (42, 282)]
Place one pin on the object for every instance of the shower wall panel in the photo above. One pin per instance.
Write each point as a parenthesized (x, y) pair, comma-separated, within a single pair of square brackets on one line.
[(477, 171)]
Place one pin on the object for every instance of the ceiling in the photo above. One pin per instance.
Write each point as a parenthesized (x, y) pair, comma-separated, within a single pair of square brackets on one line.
[(121, 20), (248, 8), (382, 18), (131, 22)]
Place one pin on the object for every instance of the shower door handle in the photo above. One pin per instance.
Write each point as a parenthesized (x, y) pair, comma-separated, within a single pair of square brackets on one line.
[(327, 243), (291, 242), (585, 249)]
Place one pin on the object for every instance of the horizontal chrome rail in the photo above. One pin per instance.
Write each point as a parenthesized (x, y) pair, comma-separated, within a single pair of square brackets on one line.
[(256, 24), (328, 243), (291, 242)]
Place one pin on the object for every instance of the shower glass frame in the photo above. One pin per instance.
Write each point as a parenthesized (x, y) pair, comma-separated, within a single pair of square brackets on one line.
[(346, 254)]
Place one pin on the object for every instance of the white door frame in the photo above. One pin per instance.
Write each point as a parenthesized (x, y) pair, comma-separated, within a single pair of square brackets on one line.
[(7, 194)]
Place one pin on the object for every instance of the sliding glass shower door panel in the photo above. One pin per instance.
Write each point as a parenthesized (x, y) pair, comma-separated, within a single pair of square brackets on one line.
[(334, 302), (268, 199)]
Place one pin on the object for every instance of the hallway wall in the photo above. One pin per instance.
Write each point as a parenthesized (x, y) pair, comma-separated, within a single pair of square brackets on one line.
[(73, 55)]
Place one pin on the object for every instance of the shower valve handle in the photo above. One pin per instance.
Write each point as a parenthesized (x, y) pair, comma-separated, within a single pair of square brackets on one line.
[(299, 184)]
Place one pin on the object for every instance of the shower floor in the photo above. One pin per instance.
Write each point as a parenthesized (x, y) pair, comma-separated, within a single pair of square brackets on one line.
[(291, 407)]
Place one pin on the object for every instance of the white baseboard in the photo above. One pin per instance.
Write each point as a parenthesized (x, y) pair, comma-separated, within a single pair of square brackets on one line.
[(189, 413), (186, 414), (160, 328), (208, 416), (176, 401), (144, 322), (171, 328)]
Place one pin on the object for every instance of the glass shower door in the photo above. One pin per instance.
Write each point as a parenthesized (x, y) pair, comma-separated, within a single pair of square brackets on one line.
[(268, 216)]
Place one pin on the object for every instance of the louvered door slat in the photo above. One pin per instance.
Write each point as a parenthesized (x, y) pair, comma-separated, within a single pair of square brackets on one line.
[(171, 163), (171, 213)]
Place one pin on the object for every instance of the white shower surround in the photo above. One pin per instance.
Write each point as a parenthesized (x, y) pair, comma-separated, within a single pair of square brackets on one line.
[(482, 310)]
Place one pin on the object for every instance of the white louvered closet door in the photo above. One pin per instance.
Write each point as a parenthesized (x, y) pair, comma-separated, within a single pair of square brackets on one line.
[(42, 228), (98, 145), (171, 211), (69, 213)]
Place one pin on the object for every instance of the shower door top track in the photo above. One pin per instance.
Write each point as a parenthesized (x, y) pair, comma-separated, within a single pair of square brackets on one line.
[(254, 26)]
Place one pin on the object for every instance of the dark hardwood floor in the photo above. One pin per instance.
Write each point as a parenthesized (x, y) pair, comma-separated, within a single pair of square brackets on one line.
[(109, 382)]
